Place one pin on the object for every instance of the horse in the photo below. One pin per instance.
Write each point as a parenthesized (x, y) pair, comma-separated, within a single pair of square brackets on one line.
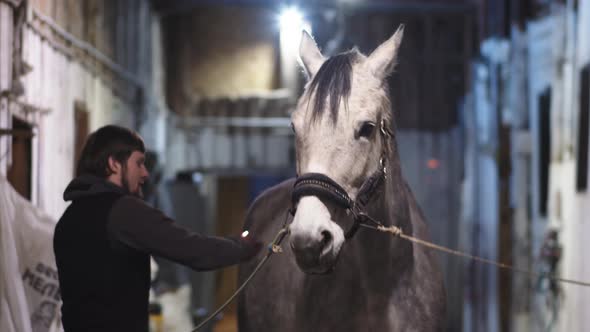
[(337, 276)]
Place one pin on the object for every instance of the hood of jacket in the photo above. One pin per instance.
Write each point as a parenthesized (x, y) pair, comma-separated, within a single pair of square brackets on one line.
[(89, 185)]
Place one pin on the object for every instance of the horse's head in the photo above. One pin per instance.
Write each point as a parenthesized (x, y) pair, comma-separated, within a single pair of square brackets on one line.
[(338, 124)]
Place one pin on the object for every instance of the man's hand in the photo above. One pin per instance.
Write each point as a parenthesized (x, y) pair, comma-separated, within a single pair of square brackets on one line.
[(250, 244)]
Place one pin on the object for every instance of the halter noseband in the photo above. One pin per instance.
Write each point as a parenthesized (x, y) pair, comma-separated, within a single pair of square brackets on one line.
[(322, 186)]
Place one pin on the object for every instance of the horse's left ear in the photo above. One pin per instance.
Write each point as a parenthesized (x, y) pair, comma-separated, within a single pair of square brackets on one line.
[(383, 59)]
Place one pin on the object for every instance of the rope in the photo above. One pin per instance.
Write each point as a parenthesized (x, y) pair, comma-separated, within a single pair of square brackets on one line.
[(396, 231), (273, 248)]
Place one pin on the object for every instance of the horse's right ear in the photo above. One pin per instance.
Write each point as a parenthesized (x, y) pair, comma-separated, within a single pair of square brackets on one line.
[(310, 55)]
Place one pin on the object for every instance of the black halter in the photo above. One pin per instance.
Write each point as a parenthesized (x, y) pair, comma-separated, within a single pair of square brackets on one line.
[(322, 186)]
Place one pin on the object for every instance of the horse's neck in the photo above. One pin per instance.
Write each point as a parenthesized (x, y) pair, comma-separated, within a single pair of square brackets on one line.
[(383, 252), (396, 209), (396, 202)]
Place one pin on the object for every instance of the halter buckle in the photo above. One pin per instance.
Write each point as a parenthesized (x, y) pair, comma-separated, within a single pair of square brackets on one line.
[(383, 130)]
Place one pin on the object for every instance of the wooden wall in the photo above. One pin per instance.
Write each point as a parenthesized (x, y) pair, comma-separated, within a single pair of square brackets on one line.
[(220, 51)]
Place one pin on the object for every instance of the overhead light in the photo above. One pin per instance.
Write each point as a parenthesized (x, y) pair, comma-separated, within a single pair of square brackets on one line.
[(291, 18), (292, 23)]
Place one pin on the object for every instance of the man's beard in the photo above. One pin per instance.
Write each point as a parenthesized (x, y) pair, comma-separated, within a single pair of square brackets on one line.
[(125, 184)]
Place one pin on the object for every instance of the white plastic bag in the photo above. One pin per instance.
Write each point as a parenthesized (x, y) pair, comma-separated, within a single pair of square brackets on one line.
[(29, 287)]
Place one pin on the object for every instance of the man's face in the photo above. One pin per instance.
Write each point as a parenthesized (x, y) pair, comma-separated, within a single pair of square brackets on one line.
[(134, 174)]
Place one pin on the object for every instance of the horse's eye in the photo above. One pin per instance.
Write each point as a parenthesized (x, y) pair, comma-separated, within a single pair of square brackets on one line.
[(293, 127), (366, 129)]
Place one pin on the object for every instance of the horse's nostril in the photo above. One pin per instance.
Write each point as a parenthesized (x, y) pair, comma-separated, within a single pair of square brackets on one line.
[(326, 238)]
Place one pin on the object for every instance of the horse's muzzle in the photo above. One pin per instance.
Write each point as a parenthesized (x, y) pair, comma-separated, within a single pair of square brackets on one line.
[(314, 255)]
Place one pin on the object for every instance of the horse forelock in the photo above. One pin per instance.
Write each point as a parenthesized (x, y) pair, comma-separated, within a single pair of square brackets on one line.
[(333, 80)]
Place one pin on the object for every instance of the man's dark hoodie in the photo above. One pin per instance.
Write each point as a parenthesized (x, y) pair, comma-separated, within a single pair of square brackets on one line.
[(103, 244)]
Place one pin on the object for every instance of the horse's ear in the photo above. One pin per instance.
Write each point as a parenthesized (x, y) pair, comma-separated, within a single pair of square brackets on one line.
[(310, 54), (383, 59)]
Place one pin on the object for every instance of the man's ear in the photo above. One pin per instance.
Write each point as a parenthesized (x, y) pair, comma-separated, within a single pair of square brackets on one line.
[(114, 166)]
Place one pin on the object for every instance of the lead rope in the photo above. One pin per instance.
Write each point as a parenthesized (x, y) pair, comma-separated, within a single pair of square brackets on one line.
[(273, 248), (396, 231)]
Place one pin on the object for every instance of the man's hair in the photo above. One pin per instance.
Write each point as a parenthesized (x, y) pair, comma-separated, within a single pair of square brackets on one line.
[(109, 141)]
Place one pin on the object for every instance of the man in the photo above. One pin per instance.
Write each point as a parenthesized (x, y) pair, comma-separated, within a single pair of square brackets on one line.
[(104, 239)]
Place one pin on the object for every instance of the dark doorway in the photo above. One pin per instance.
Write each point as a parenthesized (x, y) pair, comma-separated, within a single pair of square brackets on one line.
[(82, 124), (582, 160), (19, 172), (544, 148)]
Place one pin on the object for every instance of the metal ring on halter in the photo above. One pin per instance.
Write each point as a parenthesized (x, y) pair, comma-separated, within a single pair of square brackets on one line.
[(383, 131), (382, 166)]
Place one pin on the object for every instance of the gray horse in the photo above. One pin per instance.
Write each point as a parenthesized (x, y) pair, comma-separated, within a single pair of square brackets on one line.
[(334, 275)]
